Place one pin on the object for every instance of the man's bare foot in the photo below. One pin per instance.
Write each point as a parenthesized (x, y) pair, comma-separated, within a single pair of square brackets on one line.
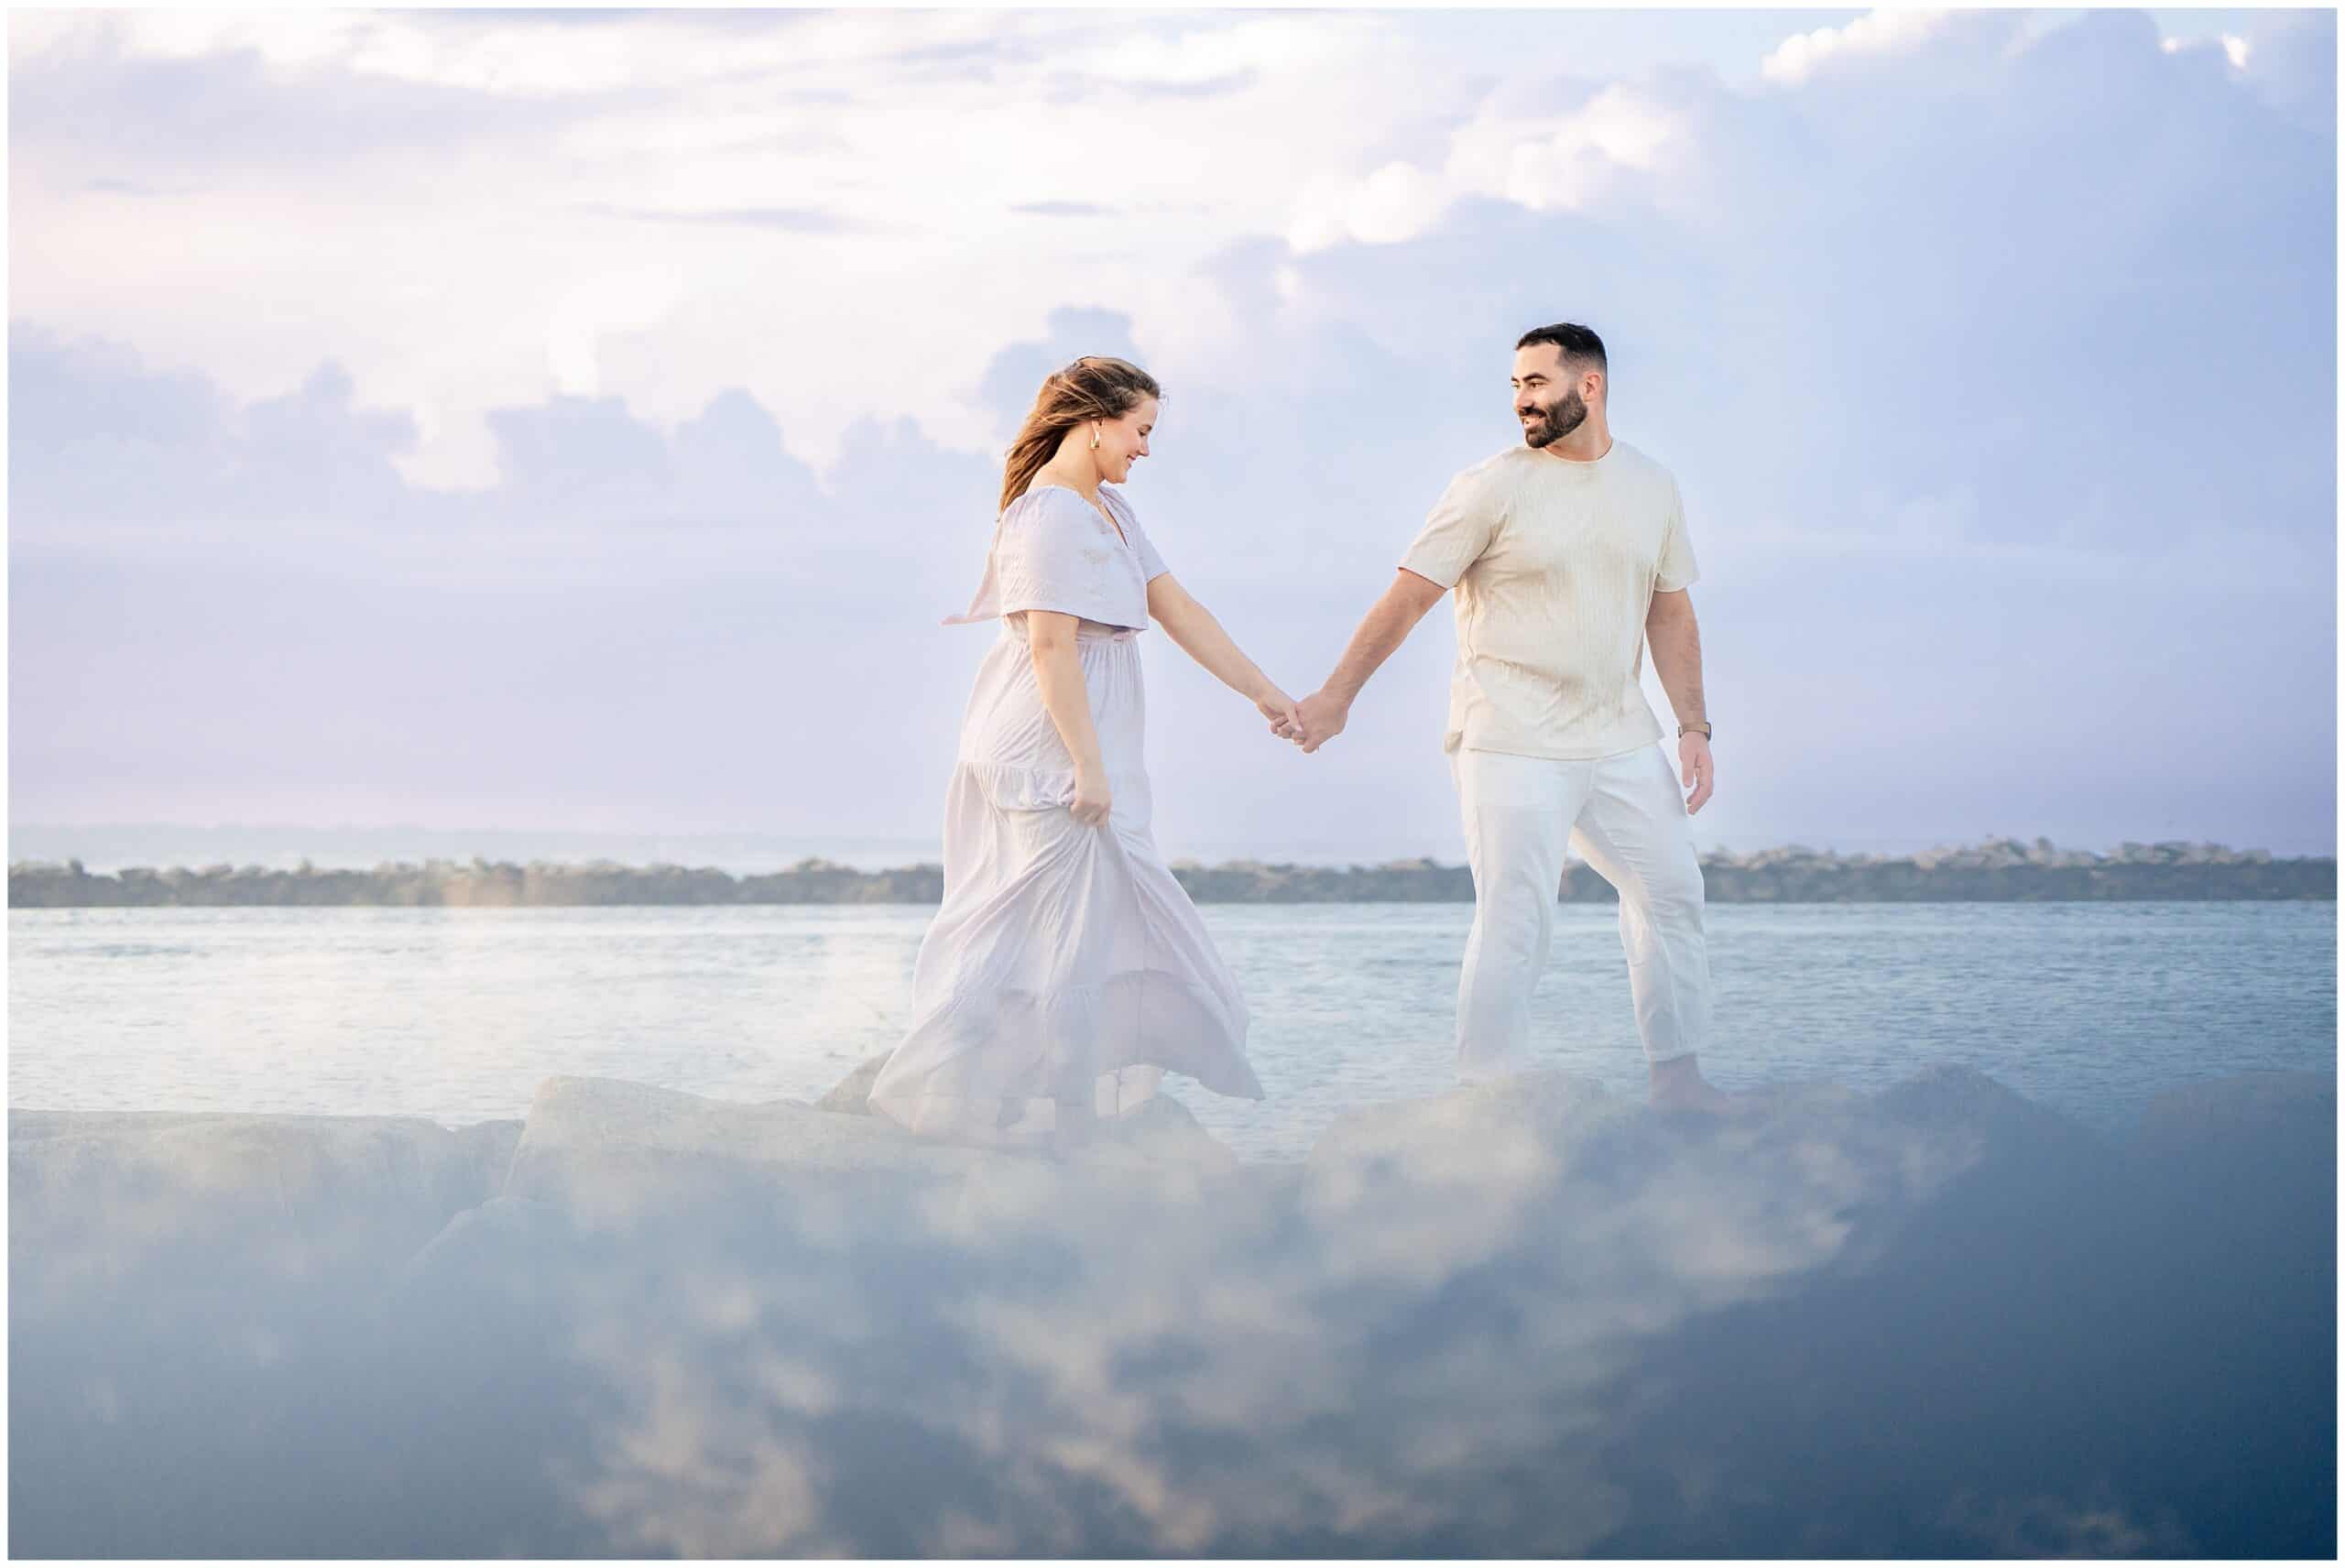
[(1678, 1085)]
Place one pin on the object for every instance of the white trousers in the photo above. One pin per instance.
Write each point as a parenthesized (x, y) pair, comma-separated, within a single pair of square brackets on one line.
[(1624, 816)]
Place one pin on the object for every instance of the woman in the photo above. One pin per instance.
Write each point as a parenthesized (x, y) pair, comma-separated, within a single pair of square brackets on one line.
[(1067, 971)]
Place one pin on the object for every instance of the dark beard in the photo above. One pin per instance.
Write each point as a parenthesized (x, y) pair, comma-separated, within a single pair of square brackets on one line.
[(1553, 424)]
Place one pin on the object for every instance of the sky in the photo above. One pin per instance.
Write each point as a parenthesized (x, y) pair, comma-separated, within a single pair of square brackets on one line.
[(583, 421)]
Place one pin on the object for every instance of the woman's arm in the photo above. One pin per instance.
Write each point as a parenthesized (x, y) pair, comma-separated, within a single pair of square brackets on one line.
[(1058, 671), (1192, 627)]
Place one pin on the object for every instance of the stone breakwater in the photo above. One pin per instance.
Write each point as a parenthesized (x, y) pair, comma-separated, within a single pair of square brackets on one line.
[(1998, 870), (1525, 1320)]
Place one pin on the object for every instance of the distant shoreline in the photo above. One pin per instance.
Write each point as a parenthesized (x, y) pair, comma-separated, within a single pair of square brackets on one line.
[(1997, 871)]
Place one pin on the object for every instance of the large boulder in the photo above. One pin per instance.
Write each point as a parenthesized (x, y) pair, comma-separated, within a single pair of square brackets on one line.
[(502, 1230), (105, 1196), (1514, 1126), (506, 1262), (852, 1094), (2245, 1113), (1152, 1171), (1703, 1209), (1960, 1101), (620, 1154), (1164, 1133), (2248, 1163), (1160, 1131)]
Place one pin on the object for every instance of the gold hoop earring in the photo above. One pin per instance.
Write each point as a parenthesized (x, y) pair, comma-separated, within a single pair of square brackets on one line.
[(1094, 438)]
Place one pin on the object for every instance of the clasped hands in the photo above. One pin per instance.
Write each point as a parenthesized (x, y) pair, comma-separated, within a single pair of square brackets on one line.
[(1310, 723)]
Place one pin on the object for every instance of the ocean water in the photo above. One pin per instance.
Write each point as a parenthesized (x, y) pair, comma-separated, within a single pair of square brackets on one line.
[(458, 1013)]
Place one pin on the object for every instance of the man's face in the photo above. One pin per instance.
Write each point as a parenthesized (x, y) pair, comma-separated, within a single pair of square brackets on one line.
[(1546, 394)]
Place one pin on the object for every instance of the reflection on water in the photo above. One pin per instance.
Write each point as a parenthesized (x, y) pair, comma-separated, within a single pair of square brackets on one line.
[(1535, 1319)]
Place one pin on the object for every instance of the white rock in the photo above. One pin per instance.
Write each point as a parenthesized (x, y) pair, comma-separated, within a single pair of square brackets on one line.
[(852, 1094), (1162, 1131), (504, 1233), (618, 1152), (2242, 1111), (1513, 1129), (109, 1194)]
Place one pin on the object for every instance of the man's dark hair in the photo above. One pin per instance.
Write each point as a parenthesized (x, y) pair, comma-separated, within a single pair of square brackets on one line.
[(1574, 341)]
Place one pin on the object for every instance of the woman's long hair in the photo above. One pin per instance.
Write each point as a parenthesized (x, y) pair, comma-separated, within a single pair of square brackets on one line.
[(1093, 388)]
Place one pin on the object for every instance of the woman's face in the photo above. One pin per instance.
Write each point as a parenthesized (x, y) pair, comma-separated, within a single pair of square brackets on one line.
[(1124, 442)]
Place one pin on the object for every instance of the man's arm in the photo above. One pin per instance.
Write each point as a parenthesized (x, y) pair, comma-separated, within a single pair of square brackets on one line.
[(1386, 625), (1676, 639)]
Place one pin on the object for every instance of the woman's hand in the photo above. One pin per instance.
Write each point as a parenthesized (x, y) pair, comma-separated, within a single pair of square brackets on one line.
[(1279, 708), (1090, 803)]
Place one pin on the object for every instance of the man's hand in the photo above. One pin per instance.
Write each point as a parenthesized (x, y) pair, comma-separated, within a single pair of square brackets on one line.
[(1319, 719), (1694, 769)]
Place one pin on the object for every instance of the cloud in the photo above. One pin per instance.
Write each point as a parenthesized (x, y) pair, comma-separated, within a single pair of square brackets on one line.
[(88, 97), (1518, 148), (788, 220), (1990, 413), (1875, 33), (510, 54), (472, 165), (1063, 209), (611, 302), (96, 437), (2291, 64), (100, 439)]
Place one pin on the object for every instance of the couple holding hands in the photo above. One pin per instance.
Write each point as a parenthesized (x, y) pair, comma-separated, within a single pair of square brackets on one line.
[(1066, 971)]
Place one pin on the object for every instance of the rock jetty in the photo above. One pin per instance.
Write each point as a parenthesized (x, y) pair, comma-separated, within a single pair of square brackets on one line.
[(1529, 1319)]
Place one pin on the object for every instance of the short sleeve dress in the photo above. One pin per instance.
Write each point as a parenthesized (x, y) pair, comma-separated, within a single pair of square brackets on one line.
[(1066, 968)]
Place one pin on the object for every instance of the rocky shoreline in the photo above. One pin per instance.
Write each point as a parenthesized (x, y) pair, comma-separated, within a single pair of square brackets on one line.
[(1937, 1321), (1997, 870)]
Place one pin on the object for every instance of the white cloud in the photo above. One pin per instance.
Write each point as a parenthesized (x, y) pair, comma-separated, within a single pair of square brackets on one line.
[(614, 302), (1542, 162), (1398, 202), (1792, 282), (2235, 49), (860, 191), (1113, 52), (1877, 32), (1618, 130), (522, 56)]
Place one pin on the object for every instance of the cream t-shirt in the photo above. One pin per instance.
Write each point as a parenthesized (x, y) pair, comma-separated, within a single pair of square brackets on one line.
[(1555, 564)]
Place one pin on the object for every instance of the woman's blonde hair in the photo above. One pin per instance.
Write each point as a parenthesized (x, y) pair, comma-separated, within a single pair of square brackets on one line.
[(1093, 388)]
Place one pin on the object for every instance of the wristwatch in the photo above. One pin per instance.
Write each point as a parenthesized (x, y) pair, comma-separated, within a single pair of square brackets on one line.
[(1704, 726)]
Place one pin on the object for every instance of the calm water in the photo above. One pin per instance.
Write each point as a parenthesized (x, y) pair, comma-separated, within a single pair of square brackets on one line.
[(458, 1013)]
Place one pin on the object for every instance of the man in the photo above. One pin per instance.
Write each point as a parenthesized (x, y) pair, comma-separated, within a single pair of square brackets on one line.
[(1568, 554)]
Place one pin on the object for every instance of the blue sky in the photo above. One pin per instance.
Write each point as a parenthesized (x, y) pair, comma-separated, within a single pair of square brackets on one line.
[(509, 419)]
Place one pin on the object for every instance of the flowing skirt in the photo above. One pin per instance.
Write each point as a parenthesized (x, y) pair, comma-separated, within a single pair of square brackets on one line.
[(1066, 971)]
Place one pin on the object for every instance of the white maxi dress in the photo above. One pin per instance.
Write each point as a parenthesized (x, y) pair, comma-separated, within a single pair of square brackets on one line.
[(1065, 967)]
